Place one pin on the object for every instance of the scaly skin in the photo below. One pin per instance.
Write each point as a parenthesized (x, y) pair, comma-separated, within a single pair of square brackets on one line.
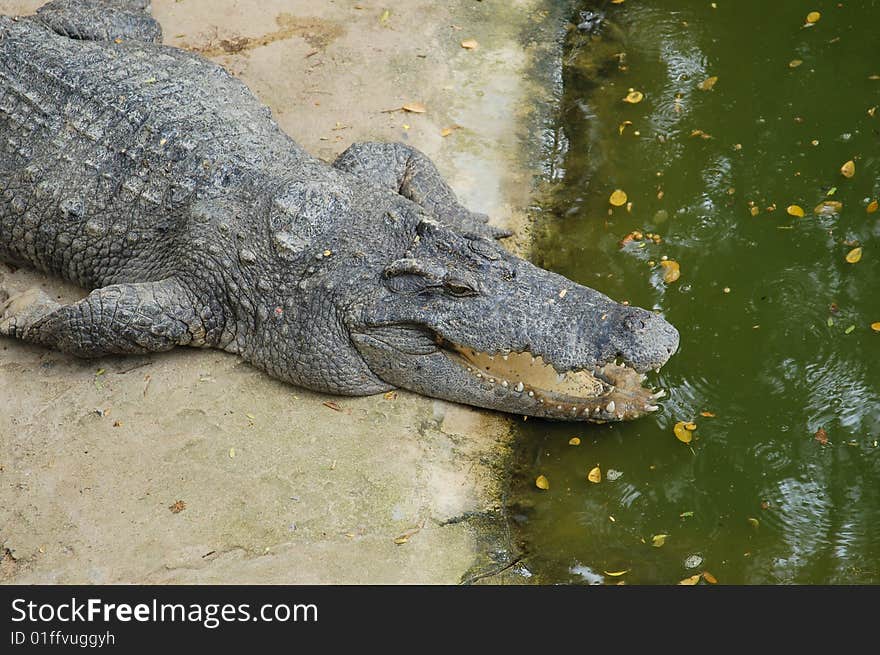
[(153, 177)]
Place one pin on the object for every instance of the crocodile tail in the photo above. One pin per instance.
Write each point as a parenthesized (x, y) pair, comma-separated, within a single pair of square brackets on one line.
[(101, 20)]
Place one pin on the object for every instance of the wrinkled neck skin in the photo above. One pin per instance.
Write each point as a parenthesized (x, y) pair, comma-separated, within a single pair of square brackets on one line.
[(397, 300)]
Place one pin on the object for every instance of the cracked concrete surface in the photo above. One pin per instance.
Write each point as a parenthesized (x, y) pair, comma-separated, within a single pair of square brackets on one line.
[(279, 484)]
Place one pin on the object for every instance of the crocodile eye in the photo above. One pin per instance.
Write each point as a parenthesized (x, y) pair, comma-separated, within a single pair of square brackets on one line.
[(458, 289)]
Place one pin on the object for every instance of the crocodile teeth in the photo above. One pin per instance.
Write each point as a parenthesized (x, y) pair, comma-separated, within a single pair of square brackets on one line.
[(660, 393), (519, 387), (504, 383), (532, 394), (610, 407), (651, 408)]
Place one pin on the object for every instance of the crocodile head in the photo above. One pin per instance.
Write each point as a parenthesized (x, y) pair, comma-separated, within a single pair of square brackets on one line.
[(462, 319)]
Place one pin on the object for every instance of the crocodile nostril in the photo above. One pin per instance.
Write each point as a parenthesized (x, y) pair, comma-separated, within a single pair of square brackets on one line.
[(634, 324)]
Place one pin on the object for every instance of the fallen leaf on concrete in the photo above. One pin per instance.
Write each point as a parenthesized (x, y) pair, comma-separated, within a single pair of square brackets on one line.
[(470, 44), (177, 507)]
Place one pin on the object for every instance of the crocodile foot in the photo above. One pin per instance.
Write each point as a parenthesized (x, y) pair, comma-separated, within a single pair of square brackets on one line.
[(23, 310)]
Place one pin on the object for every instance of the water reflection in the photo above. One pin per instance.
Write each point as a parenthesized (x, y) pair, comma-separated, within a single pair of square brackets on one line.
[(775, 325)]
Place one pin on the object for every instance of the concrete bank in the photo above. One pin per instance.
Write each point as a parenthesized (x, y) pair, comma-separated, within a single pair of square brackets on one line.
[(191, 466)]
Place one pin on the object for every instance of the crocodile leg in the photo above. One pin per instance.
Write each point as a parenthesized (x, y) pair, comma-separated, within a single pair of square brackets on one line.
[(117, 319), (101, 20), (414, 176)]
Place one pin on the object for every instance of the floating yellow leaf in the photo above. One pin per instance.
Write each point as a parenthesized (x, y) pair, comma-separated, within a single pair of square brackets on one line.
[(794, 63), (470, 44), (616, 574), (708, 84), (854, 255), (658, 540), (623, 126), (682, 433), (707, 414), (617, 2), (872, 207), (673, 271), (634, 97), (618, 198), (813, 17), (848, 169), (872, 111), (690, 426), (876, 326), (795, 210), (595, 475), (754, 522), (828, 207), (574, 441), (542, 482), (415, 107), (708, 577), (694, 579), (754, 210)]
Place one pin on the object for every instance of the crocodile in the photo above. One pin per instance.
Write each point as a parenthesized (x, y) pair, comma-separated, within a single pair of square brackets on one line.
[(153, 178)]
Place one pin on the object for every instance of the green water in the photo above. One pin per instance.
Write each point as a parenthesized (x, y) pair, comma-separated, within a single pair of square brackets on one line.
[(776, 337)]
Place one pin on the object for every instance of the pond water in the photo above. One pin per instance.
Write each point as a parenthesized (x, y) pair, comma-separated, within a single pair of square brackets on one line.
[(779, 367)]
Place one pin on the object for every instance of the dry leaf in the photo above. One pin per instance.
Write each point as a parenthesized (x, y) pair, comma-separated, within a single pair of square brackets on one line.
[(708, 577), (754, 210), (828, 208), (872, 207), (813, 17), (618, 198), (595, 475), (708, 84), (634, 97), (848, 169), (673, 271), (707, 414), (854, 255), (876, 326), (623, 126), (333, 406), (682, 433), (177, 507), (821, 436), (470, 44), (658, 540), (414, 107), (694, 579), (574, 441), (795, 210), (794, 63), (542, 482)]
